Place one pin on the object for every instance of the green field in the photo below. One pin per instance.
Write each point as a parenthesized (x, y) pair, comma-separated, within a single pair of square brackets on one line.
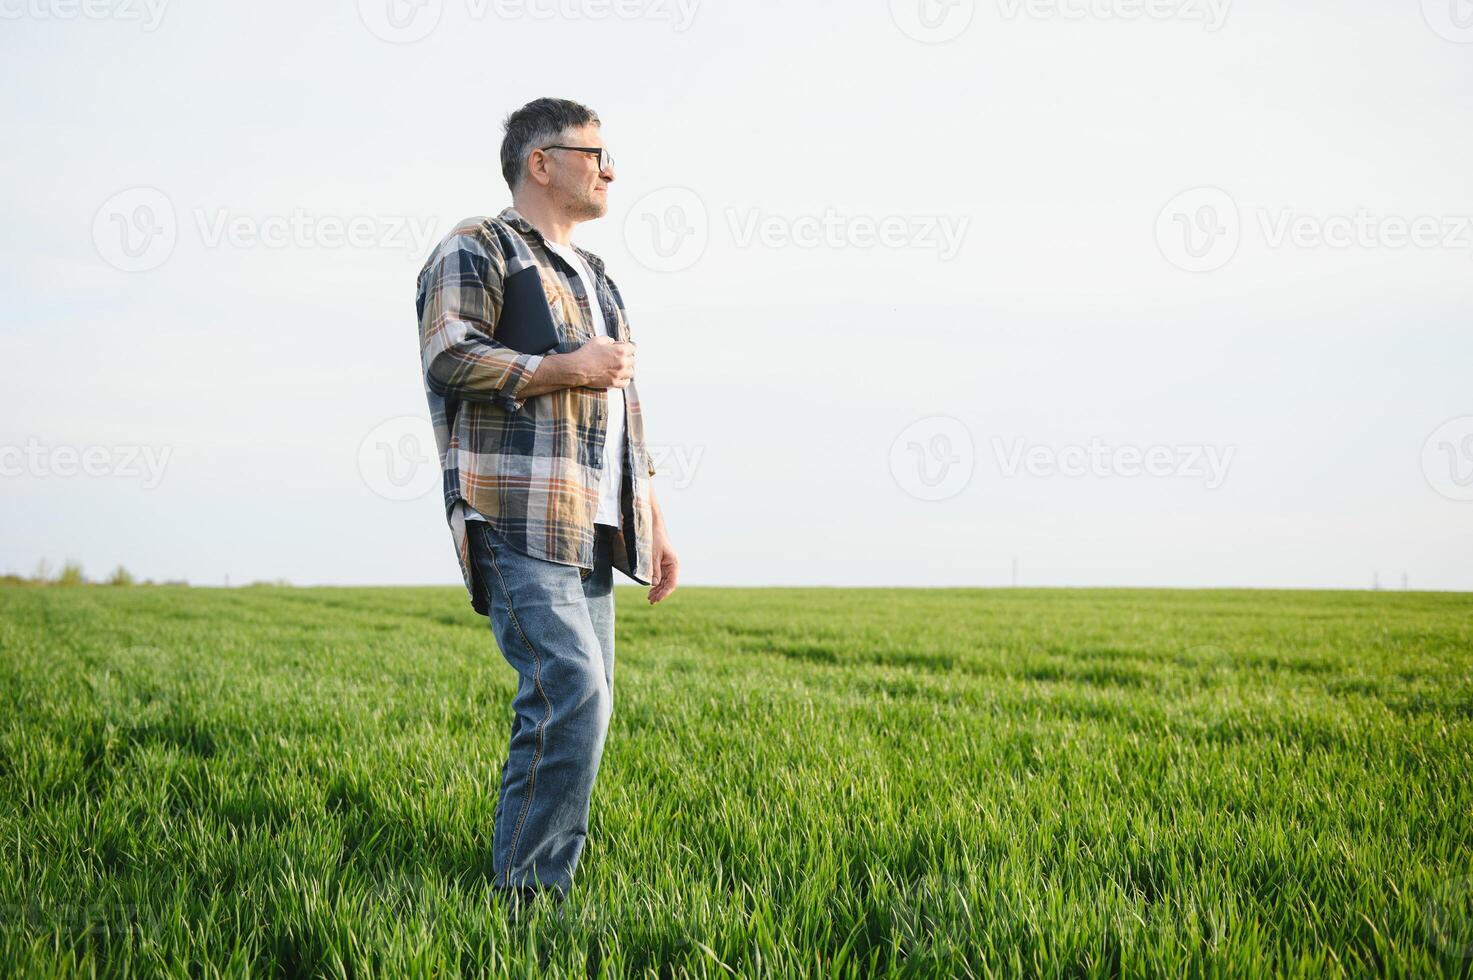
[(797, 782)]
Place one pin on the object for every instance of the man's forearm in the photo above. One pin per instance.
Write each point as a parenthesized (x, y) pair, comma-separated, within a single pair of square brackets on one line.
[(657, 518), (556, 371)]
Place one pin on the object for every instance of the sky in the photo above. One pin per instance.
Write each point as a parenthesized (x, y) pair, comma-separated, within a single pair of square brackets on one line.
[(975, 292)]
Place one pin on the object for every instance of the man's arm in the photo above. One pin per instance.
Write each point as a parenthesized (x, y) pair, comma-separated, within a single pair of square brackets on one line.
[(460, 300), (557, 371), (665, 565)]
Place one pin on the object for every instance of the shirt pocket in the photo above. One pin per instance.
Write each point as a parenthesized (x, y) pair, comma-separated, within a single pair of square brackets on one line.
[(564, 307)]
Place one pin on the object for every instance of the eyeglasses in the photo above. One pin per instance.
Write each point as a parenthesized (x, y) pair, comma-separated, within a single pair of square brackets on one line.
[(605, 158)]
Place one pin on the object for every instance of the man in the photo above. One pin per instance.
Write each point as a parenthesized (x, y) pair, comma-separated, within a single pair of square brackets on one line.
[(547, 477)]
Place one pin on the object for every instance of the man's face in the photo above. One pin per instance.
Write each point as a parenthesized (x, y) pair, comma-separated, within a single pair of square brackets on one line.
[(577, 183)]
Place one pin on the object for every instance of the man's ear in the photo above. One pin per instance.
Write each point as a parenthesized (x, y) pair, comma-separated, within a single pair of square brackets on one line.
[(537, 168)]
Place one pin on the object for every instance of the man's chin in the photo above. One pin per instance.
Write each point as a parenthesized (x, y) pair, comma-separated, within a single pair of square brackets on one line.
[(587, 212), (586, 208)]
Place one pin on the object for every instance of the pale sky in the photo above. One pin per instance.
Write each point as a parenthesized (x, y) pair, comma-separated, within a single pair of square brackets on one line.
[(1135, 292)]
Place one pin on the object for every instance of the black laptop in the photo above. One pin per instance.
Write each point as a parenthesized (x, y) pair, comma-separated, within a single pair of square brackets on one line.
[(526, 322)]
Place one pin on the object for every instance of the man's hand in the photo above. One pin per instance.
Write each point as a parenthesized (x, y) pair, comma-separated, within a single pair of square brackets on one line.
[(604, 362), (666, 566)]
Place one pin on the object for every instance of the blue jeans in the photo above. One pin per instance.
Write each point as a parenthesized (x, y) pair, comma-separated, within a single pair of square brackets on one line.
[(556, 628)]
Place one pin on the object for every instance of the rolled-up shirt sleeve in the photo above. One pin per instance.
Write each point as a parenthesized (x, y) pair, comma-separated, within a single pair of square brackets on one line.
[(459, 299)]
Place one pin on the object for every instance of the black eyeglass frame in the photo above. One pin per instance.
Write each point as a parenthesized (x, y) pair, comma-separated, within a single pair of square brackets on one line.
[(605, 158)]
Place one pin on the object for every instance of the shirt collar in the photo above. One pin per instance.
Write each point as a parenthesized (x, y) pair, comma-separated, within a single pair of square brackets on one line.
[(514, 218)]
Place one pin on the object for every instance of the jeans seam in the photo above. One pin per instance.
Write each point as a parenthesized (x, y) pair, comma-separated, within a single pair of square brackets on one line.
[(540, 727)]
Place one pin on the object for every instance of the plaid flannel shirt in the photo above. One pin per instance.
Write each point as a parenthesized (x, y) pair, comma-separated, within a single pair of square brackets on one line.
[(531, 465)]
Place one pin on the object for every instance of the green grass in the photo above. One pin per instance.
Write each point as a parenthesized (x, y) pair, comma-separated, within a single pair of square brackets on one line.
[(816, 782)]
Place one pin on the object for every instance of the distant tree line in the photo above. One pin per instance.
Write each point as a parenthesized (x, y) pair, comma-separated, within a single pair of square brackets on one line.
[(71, 573)]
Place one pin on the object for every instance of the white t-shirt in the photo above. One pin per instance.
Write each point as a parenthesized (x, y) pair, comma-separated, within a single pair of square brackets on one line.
[(613, 473)]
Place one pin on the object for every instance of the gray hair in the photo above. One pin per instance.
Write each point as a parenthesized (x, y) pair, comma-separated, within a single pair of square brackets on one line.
[(535, 125)]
